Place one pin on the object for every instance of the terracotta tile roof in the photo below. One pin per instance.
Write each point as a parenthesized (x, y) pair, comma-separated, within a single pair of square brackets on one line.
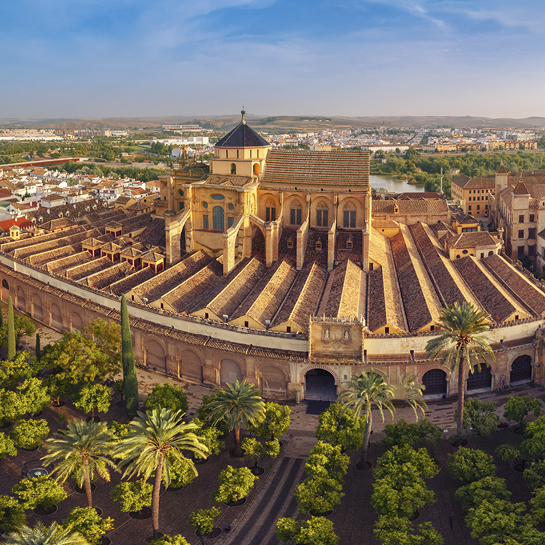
[(520, 189), (81, 271), (517, 283), (476, 182), (269, 300), (229, 180), (163, 282), (344, 294), (154, 234), (448, 282), (43, 258), (236, 291), (22, 253), (103, 279), (301, 167), (385, 224), (131, 252), (420, 300), (312, 254), (226, 346), (60, 265), (302, 300), (124, 285), (491, 298), (342, 252), (8, 247), (420, 195), (185, 293), (472, 240), (409, 207), (385, 305), (277, 353)]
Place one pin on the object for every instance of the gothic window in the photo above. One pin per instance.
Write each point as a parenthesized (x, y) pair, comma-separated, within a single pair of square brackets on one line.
[(217, 218), (205, 221), (270, 210), (296, 214), (322, 215), (349, 219)]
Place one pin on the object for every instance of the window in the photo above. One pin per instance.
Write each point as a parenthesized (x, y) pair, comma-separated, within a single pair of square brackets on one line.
[(371, 266), (469, 208), (521, 233), (270, 213), (217, 218), (349, 244), (318, 245), (233, 168), (521, 218), (205, 221), (321, 217), (520, 250), (246, 324), (290, 243), (350, 218), (230, 221), (532, 218), (387, 330), (532, 232), (288, 329), (237, 154), (296, 215), (532, 250)]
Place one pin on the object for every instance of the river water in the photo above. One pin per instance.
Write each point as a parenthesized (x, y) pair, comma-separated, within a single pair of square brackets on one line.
[(393, 183)]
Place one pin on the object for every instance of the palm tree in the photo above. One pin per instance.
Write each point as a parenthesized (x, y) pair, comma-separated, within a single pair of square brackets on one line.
[(461, 342), (362, 393), (42, 535), (80, 451), (237, 403), (155, 440)]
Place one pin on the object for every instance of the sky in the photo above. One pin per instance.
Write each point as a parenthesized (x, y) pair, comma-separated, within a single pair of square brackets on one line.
[(132, 58)]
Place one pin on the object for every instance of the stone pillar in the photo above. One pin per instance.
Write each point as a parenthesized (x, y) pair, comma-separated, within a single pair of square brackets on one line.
[(331, 242)]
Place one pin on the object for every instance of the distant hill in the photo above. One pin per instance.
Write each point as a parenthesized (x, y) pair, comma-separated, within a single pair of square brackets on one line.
[(276, 124)]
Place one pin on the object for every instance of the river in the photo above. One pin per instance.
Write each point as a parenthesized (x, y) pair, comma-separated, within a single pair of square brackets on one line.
[(393, 183)]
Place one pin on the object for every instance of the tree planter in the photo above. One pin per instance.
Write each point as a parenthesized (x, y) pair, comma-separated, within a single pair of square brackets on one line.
[(144, 513), (98, 510), (324, 514), (31, 449), (105, 540), (234, 455), (80, 490), (520, 467), (216, 532), (200, 461), (153, 538), (93, 419), (363, 465), (256, 470), (414, 516), (45, 511), (236, 503), (459, 443), (59, 403)]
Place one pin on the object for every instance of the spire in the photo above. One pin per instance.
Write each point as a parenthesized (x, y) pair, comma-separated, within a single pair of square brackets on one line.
[(243, 112)]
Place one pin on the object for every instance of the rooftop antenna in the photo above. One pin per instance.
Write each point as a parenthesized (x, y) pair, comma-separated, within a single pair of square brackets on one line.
[(243, 112)]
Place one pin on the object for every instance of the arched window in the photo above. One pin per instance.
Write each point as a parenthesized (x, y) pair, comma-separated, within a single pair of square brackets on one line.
[(296, 214), (217, 218), (322, 215), (349, 217), (233, 168), (256, 169), (270, 210)]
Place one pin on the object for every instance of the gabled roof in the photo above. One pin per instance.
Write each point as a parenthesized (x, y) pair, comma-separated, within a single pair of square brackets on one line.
[(501, 169), (242, 136), (520, 189)]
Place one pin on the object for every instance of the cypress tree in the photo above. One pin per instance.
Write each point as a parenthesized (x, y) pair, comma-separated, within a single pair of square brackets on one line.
[(12, 343), (38, 348), (130, 381)]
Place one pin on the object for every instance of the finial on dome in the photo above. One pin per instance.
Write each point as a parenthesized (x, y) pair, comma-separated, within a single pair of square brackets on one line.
[(243, 112)]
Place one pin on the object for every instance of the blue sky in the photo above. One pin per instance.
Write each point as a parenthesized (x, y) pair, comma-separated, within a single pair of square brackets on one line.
[(98, 58)]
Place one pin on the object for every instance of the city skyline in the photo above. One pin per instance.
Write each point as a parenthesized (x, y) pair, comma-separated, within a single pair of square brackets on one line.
[(351, 58)]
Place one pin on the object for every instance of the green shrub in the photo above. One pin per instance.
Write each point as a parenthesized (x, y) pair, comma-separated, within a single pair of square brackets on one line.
[(203, 520), (132, 496), (167, 396), (87, 522), (7, 446), (235, 484), (29, 434), (42, 490), (489, 488), (469, 465), (12, 514), (315, 531), (182, 472)]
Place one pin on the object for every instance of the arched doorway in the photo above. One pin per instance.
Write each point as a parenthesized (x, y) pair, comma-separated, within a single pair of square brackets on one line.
[(435, 381), (37, 308), (156, 358), (258, 244), (5, 290), (320, 385), (77, 322), (56, 317), (230, 372), (480, 380), (21, 300), (521, 370)]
